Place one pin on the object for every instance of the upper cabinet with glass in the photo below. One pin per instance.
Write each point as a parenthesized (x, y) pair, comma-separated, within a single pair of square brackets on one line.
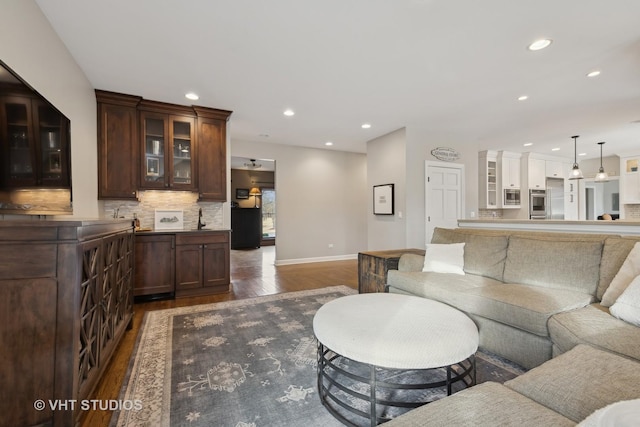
[(35, 147), (168, 143)]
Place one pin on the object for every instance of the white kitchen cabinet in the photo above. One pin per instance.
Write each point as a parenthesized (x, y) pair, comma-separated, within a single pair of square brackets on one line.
[(554, 169), (630, 179), (509, 180), (488, 179), (536, 174)]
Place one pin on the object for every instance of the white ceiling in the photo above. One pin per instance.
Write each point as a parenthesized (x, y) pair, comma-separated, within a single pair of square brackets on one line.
[(454, 67)]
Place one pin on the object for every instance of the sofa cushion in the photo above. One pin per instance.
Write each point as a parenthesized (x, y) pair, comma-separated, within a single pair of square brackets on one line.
[(581, 381), (625, 413), (628, 271), (614, 253), (525, 307), (487, 405), (484, 253), (444, 258), (627, 306), (558, 264), (594, 325), (443, 287)]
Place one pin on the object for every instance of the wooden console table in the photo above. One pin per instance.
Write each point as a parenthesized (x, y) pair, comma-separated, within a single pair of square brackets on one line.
[(374, 265)]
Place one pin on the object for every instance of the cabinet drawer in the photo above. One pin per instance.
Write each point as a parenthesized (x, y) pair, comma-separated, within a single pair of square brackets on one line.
[(201, 238)]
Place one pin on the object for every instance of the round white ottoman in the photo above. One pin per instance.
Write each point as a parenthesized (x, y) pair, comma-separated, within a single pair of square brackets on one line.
[(390, 331)]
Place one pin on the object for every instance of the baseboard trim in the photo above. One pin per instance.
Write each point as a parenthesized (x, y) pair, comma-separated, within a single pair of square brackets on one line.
[(317, 259)]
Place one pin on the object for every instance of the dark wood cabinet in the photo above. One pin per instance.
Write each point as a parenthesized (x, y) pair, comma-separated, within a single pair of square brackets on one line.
[(146, 144), (118, 145), (155, 265), (246, 228), (168, 146), (65, 302), (35, 144), (212, 154), (202, 263), (373, 267)]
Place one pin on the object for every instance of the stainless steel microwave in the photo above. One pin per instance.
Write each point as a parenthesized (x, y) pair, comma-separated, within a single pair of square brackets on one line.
[(512, 196)]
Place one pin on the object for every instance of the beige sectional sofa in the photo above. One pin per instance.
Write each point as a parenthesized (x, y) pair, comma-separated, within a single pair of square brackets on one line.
[(533, 295), (536, 299)]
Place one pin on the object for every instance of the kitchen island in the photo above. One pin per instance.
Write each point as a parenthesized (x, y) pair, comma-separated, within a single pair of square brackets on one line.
[(621, 227)]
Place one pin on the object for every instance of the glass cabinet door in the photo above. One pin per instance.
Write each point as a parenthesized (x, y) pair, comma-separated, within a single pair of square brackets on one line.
[(182, 146), (20, 143), (53, 155), (154, 132)]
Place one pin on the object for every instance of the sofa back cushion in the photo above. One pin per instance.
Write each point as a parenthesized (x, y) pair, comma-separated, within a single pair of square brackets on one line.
[(484, 252), (553, 263)]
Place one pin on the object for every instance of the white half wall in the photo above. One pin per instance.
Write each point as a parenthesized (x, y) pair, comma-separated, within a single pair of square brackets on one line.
[(321, 205), (32, 49)]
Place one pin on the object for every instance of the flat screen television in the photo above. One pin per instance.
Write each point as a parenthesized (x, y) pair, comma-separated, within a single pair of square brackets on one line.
[(35, 144)]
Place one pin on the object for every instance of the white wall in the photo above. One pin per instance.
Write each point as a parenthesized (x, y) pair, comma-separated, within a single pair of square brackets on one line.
[(320, 200), (33, 50), (386, 165)]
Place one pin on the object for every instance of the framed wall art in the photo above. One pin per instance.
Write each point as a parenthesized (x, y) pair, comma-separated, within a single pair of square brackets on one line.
[(383, 199), (242, 193), (169, 219)]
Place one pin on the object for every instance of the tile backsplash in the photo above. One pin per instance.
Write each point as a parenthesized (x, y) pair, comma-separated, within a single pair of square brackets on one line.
[(149, 201)]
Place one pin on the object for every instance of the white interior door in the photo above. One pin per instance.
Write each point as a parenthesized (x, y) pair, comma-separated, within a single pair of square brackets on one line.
[(444, 184)]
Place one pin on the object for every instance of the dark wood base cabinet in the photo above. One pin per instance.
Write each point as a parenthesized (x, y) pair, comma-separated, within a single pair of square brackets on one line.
[(182, 264), (66, 299)]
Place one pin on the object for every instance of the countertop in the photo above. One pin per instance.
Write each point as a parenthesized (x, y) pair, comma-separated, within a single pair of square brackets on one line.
[(626, 227)]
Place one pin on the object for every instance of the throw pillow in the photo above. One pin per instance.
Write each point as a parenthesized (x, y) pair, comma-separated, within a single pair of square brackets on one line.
[(627, 306), (630, 269), (444, 258), (620, 414)]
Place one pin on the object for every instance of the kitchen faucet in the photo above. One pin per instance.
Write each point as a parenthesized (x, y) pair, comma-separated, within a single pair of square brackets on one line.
[(200, 223)]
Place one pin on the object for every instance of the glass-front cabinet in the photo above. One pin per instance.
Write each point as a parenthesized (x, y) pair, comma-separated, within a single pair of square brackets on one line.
[(168, 145), (36, 147)]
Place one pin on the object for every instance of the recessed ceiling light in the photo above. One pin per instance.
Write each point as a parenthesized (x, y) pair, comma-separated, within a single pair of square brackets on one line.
[(594, 73), (539, 44), (582, 154), (555, 149), (192, 96), (289, 113), (527, 144), (523, 98), (366, 125), (328, 143)]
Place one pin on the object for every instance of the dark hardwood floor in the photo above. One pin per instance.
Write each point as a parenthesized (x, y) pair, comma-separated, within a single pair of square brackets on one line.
[(252, 274)]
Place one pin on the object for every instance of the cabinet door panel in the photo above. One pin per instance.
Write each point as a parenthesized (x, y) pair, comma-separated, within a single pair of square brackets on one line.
[(154, 149), (155, 261), (188, 266), (215, 262), (212, 158), (28, 317)]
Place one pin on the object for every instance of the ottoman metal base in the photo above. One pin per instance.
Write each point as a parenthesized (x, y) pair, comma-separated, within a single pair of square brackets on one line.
[(337, 386)]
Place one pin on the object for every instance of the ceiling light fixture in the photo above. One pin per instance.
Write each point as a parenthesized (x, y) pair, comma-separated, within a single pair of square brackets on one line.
[(366, 126), (601, 176), (289, 113), (523, 98), (555, 149), (192, 96), (328, 143), (253, 164), (527, 144), (594, 73), (575, 173), (539, 44)]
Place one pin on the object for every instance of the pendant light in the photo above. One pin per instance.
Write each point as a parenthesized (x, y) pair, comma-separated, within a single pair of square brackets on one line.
[(575, 173), (601, 176)]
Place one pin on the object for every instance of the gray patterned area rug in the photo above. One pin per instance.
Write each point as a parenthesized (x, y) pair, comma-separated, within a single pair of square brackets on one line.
[(243, 363)]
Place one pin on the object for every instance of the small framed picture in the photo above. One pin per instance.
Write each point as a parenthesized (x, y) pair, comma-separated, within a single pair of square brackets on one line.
[(383, 199), (242, 193), (169, 219), (153, 166)]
